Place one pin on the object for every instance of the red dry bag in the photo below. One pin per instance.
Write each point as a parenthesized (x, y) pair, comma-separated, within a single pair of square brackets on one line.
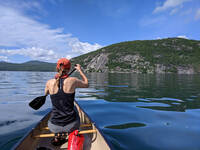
[(75, 141)]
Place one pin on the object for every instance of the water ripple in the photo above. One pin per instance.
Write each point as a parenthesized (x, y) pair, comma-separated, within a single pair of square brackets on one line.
[(126, 125), (137, 111)]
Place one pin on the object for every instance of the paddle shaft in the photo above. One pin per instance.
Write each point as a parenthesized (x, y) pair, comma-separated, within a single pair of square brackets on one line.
[(71, 72)]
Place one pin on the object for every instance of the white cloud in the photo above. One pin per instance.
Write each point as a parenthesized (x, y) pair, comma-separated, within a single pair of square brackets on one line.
[(82, 47), (182, 36), (169, 4), (35, 39), (4, 58), (22, 31), (68, 56), (33, 53), (197, 16), (24, 6)]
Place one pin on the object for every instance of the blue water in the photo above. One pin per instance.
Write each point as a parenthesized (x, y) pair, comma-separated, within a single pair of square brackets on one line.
[(134, 111)]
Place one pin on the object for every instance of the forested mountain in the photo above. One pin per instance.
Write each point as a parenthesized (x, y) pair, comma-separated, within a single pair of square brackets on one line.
[(171, 55), (28, 66)]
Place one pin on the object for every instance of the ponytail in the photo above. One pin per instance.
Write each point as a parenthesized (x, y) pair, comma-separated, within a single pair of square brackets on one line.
[(62, 72), (59, 75)]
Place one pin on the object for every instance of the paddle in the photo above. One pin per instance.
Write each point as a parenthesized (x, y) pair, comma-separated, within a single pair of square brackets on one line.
[(39, 101)]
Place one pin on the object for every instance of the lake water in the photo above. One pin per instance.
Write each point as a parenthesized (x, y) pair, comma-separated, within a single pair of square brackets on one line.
[(134, 111)]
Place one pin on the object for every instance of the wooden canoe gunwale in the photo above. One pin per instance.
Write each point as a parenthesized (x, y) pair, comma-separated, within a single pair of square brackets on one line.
[(102, 134)]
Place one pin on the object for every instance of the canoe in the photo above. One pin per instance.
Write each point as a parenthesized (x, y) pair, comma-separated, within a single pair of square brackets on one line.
[(40, 136)]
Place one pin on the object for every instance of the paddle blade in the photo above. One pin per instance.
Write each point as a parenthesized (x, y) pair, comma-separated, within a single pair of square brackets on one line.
[(37, 102)]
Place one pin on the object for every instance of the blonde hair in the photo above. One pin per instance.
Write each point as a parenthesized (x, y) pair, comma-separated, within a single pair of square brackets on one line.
[(61, 71)]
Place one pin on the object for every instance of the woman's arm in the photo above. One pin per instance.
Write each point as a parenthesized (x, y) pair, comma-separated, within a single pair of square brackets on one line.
[(84, 82), (47, 88)]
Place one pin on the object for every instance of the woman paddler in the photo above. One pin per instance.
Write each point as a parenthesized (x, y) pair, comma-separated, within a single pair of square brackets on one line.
[(64, 117)]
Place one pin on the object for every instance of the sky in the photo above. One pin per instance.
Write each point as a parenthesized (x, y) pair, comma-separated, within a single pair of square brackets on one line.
[(47, 30)]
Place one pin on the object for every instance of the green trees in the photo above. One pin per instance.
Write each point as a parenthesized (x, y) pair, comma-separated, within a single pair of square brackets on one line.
[(170, 52)]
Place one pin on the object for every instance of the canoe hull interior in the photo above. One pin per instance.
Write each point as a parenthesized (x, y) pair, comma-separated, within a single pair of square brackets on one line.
[(93, 141)]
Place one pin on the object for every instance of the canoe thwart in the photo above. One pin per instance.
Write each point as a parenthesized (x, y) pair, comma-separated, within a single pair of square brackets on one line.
[(53, 134)]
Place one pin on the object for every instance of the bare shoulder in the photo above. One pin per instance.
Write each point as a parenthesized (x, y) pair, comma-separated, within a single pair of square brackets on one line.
[(71, 79), (50, 81)]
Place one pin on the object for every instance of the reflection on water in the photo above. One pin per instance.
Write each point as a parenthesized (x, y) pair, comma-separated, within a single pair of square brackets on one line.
[(126, 126), (134, 111), (6, 123), (164, 107), (179, 92)]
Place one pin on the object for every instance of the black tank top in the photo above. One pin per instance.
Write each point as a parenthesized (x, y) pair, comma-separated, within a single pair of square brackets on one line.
[(63, 107)]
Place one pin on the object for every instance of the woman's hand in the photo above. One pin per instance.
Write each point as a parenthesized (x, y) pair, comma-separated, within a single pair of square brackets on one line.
[(78, 67)]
